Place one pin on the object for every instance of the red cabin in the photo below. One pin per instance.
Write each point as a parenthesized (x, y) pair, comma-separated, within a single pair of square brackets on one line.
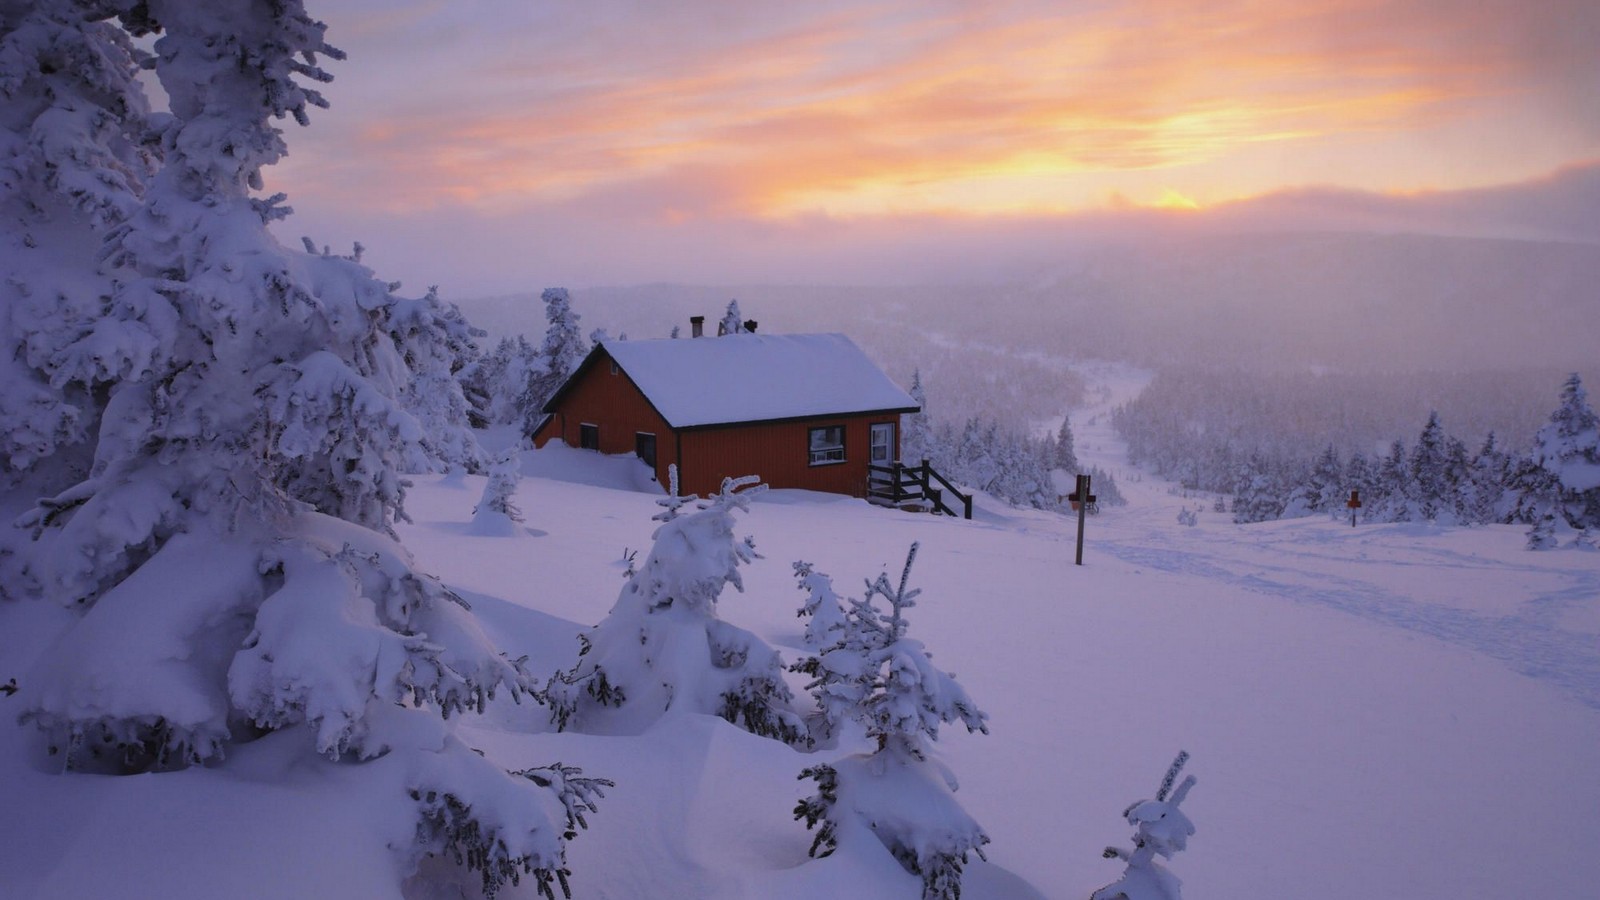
[(799, 410)]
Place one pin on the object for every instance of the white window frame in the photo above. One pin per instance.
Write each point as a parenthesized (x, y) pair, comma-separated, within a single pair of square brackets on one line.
[(829, 454)]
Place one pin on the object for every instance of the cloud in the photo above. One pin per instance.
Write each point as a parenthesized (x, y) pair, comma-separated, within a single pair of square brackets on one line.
[(894, 140), (856, 108)]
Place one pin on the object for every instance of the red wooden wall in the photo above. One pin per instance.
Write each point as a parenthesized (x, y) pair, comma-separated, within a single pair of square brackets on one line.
[(610, 400)]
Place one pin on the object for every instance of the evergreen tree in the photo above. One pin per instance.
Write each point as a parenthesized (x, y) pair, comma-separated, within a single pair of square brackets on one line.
[(1161, 829), (1360, 477), (1327, 478), (436, 343), (1392, 500), (73, 166), (497, 512), (876, 677), (1427, 468), (1568, 448), (662, 649), (230, 556), (916, 439), (732, 321), (1458, 493), (563, 349), (1487, 477), (1258, 498), (1066, 457)]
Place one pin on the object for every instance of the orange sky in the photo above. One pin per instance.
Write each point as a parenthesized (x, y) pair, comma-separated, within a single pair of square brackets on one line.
[(659, 114)]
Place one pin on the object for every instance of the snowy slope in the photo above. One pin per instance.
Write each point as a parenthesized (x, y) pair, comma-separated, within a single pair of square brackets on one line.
[(1386, 712)]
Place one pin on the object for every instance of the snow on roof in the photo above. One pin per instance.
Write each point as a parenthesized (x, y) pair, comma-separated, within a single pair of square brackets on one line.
[(756, 377)]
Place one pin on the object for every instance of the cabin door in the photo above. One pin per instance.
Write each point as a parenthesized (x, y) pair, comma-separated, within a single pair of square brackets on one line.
[(881, 454), (883, 444)]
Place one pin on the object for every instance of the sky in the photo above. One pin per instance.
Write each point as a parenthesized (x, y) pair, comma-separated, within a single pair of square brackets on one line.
[(499, 147)]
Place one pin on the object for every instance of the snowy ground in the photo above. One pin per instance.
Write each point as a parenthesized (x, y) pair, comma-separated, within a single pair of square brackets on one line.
[(1382, 712)]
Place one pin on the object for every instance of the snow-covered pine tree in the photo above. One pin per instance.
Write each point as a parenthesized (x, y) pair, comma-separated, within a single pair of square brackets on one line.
[(916, 437), (496, 513), (1359, 477), (662, 649), (230, 555), (886, 683), (73, 166), (732, 320), (494, 383), (1428, 473), (436, 343), (1392, 489), (1160, 829), (1487, 475), (1568, 448), (1104, 486), (1327, 476), (563, 349), (1257, 498), (1066, 457)]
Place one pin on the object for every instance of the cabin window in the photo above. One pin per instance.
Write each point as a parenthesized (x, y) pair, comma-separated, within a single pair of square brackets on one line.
[(827, 445), (589, 436), (644, 446)]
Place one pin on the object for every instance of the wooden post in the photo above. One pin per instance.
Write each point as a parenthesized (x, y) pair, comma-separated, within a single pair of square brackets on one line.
[(895, 491), (1083, 511), (1354, 504)]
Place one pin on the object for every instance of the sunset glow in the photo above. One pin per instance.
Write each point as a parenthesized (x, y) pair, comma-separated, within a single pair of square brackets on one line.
[(768, 112)]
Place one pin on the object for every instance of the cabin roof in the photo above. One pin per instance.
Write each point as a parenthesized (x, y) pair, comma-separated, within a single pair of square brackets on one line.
[(742, 378)]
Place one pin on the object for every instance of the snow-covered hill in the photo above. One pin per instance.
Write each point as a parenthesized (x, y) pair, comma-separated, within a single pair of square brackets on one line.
[(1388, 712)]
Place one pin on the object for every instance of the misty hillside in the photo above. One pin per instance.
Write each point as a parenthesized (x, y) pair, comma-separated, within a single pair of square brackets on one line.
[(1419, 311), (1286, 302)]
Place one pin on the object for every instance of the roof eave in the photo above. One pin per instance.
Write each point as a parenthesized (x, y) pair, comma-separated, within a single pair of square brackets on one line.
[(707, 426)]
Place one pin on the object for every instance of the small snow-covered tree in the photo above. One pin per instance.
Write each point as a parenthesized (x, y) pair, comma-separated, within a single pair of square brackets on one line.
[(732, 321), (1161, 829), (497, 512), (662, 648), (876, 677), (1066, 457), (230, 554)]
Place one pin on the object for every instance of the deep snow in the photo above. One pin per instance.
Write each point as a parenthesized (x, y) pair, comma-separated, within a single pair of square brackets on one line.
[(1385, 711)]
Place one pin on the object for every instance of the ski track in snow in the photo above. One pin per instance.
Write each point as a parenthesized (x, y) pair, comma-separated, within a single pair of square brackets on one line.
[(1527, 641), (1531, 641)]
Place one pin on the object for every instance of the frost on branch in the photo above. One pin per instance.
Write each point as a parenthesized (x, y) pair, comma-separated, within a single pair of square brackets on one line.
[(1160, 829), (662, 647), (875, 676)]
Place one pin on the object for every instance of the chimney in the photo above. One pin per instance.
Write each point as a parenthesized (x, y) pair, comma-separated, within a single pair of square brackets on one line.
[(697, 326), (750, 325)]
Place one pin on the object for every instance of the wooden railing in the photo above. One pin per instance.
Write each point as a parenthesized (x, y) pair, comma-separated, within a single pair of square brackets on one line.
[(899, 484)]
